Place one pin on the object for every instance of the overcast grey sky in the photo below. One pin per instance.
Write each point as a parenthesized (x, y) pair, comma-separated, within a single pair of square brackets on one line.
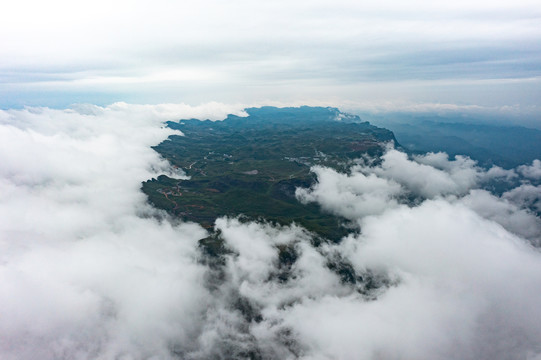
[(355, 54)]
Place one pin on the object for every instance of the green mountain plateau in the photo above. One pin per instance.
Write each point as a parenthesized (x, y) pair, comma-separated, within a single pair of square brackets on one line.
[(250, 166)]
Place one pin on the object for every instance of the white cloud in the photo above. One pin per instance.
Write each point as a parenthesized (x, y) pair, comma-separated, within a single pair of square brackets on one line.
[(454, 281), (351, 196), (90, 270), (372, 190), (525, 196), (496, 172), (460, 276), (532, 171), (430, 175), (454, 267), (87, 269), (512, 214), (255, 245)]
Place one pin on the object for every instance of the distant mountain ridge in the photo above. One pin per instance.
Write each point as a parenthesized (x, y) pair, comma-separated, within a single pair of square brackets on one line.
[(285, 115), (505, 146)]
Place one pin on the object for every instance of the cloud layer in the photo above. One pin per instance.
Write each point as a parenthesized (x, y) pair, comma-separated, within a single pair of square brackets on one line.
[(474, 54), (438, 267), (88, 269)]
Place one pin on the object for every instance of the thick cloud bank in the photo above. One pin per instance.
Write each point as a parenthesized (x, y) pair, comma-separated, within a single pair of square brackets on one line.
[(438, 266), (87, 269)]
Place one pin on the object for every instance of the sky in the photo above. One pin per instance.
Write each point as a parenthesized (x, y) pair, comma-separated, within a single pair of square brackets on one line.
[(386, 56)]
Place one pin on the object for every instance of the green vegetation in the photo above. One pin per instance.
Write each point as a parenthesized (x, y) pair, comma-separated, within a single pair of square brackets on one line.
[(252, 165)]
